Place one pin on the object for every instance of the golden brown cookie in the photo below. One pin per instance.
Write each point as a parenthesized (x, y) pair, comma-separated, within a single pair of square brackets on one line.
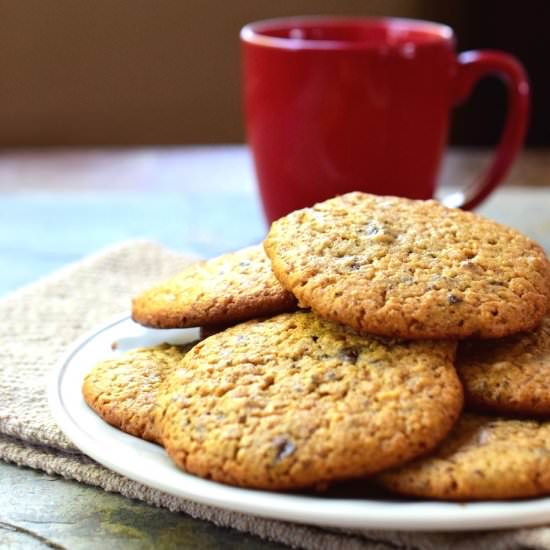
[(510, 375), (123, 391), (483, 458), (412, 269), (221, 291), (295, 401)]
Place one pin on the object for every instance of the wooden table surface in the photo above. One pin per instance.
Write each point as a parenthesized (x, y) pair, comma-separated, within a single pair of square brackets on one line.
[(58, 206)]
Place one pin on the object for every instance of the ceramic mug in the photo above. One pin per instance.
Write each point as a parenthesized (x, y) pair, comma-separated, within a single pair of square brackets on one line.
[(343, 104)]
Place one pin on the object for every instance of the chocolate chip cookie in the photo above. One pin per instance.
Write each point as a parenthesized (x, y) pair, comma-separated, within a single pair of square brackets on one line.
[(124, 390), (483, 458), (221, 291), (295, 401), (510, 375), (411, 269)]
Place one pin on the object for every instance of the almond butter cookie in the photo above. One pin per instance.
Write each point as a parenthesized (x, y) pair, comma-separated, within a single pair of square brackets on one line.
[(510, 375), (411, 269), (483, 458), (295, 401), (124, 390), (221, 291)]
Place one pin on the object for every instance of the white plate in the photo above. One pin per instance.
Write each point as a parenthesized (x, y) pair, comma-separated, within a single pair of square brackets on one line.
[(148, 464)]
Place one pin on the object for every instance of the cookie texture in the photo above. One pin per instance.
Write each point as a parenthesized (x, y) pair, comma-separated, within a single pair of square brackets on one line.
[(483, 458), (411, 269), (124, 390), (510, 375), (296, 401), (221, 291)]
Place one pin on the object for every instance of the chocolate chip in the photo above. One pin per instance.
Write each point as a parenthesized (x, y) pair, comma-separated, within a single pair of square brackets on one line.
[(315, 338), (453, 299), (284, 447), (349, 354), (354, 266), (372, 229)]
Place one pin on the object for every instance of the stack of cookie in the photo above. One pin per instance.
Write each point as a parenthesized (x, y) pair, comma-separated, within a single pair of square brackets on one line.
[(333, 355)]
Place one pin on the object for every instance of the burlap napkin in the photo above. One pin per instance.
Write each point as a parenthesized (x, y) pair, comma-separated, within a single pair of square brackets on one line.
[(42, 319)]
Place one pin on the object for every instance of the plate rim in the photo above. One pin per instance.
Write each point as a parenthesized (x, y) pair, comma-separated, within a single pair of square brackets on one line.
[(311, 510)]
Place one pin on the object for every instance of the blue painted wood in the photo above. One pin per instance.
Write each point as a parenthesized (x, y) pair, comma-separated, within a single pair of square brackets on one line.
[(40, 232)]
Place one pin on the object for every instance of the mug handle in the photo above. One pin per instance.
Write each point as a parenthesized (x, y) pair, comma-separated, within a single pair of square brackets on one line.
[(471, 67)]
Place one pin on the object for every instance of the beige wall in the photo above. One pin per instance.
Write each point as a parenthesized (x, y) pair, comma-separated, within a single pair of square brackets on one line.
[(120, 72)]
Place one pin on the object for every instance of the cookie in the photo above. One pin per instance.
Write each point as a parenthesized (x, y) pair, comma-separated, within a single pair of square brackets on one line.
[(221, 291), (295, 401), (484, 458), (410, 269), (508, 376), (123, 391)]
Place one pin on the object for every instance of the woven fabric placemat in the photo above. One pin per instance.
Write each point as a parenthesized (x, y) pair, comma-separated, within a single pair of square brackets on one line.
[(41, 320)]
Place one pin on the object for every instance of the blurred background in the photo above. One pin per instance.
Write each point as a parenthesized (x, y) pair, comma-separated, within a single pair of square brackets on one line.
[(138, 72)]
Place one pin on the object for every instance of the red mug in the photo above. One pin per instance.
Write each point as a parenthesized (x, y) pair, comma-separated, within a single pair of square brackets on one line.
[(344, 104)]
